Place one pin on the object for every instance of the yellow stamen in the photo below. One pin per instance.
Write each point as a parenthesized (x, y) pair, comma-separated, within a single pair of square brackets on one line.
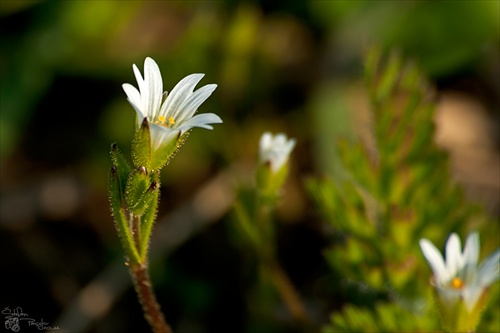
[(457, 283), (162, 121)]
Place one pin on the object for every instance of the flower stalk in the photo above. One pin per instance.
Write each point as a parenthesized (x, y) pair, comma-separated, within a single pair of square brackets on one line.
[(147, 298), (163, 123), (254, 217), (134, 230)]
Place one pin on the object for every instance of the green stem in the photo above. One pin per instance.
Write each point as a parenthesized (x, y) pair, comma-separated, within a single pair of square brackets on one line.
[(136, 224), (267, 254)]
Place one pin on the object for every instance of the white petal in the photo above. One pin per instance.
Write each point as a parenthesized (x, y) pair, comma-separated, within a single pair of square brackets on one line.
[(138, 76), (134, 99), (140, 117), (435, 260), (143, 89), (189, 106), (289, 146), (275, 150), (454, 260), (277, 159), (266, 142), (182, 91), (201, 120), (133, 95), (152, 77), (490, 270), (279, 140), (471, 249)]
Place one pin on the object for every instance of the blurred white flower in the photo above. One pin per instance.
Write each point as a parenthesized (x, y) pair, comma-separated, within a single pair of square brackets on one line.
[(275, 150), (172, 116), (459, 276)]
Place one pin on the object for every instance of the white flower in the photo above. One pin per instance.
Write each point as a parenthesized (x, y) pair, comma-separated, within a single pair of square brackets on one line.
[(275, 151), (170, 117), (459, 275)]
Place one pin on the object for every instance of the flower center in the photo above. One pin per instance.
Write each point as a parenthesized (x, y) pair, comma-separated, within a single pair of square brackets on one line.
[(457, 283), (162, 121)]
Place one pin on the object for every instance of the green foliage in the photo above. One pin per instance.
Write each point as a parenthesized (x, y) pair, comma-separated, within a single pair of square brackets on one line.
[(397, 189), (385, 317)]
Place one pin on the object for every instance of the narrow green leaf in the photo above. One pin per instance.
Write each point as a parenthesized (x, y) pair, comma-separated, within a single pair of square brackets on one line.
[(122, 166), (389, 78), (246, 226), (118, 212)]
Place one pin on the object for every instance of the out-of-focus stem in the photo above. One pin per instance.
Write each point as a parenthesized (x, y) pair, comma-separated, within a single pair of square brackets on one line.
[(288, 292), (150, 306)]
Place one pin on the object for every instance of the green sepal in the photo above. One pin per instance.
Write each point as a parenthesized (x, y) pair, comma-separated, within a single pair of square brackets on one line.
[(454, 315), (269, 183), (164, 154), (138, 183), (149, 196), (141, 146), (122, 166), (149, 216), (119, 216)]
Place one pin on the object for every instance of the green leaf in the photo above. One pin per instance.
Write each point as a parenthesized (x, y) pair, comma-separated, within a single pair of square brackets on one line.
[(118, 212), (122, 166), (388, 80), (247, 227)]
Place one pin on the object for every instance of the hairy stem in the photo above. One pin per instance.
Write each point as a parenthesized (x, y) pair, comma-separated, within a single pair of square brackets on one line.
[(147, 298)]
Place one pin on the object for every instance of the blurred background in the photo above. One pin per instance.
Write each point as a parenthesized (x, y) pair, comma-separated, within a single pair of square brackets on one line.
[(281, 66)]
